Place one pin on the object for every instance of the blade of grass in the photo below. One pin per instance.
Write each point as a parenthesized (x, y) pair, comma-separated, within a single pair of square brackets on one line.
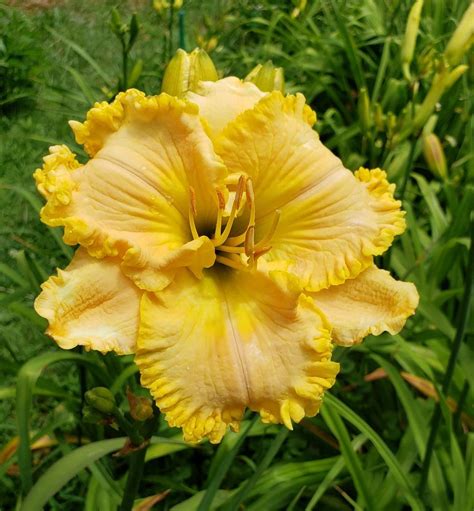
[(82, 53), (336, 425), (241, 495), (65, 469), (224, 464), (382, 448), (26, 381)]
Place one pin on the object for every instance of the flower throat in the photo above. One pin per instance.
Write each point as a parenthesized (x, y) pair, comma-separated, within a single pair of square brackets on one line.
[(230, 249)]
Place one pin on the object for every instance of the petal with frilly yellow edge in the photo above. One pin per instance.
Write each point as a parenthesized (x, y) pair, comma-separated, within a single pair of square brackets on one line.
[(222, 101), (331, 223), (152, 159), (372, 303), (91, 304), (245, 340)]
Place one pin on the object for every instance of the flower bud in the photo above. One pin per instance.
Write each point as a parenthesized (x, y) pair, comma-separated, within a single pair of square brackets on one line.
[(409, 41), (379, 118), (434, 155), (101, 399), (161, 5), (267, 77), (364, 111), (186, 70), (462, 38), (141, 407), (91, 416)]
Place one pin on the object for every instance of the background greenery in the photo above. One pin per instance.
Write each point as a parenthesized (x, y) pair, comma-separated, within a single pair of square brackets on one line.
[(385, 439)]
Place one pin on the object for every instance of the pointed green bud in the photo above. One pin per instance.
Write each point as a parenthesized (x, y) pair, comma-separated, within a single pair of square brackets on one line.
[(101, 399), (186, 70), (409, 41), (364, 111), (434, 155), (267, 77), (462, 38), (379, 118)]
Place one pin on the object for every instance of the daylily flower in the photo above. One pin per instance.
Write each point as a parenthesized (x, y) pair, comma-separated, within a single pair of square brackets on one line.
[(224, 245)]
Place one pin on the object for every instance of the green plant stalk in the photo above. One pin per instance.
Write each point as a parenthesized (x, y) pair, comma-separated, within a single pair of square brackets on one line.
[(170, 31), (460, 331), (124, 65), (135, 473), (182, 30)]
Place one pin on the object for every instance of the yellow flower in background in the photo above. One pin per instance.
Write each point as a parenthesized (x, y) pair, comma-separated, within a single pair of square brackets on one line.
[(224, 245)]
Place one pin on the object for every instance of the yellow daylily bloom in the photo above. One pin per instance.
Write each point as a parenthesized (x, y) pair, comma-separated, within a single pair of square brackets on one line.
[(225, 246)]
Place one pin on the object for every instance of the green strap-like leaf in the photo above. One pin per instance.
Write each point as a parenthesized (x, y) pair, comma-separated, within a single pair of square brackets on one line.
[(381, 447), (65, 469)]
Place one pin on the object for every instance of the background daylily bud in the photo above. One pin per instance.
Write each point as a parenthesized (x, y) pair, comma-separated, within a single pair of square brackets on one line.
[(409, 41), (267, 77), (140, 407), (434, 155), (379, 118), (186, 70), (101, 399), (91, 416), (364, 111), (462, 39)]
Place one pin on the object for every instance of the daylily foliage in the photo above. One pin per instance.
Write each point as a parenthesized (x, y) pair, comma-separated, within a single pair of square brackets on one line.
[(225, 246)]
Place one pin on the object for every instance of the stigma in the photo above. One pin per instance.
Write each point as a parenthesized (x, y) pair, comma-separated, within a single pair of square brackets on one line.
[(239, 251)]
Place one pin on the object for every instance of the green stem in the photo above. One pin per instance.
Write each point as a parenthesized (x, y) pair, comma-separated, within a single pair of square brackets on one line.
[(170, 31), (124, 66), (461, 328), (182, 31), (135, 472)]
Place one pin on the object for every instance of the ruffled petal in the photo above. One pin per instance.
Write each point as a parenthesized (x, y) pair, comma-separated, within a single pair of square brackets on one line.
[(209, 348), (372, 303), (332, 223), (151, 159), (222, 101), (92, 304)]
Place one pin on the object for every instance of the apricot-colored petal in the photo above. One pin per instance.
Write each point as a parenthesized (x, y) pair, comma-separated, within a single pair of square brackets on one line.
[(151, 159), (222, 101), (332, 223), (209, 348), (92, 304), (372, 303)]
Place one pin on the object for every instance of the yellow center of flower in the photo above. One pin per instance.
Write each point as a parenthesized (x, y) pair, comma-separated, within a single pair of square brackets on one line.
[(240, 251)]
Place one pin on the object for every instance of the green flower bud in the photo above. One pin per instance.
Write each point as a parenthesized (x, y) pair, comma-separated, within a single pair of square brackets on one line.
[(186, 70), (364, 111), (91, 416), (409, 41), (462, 38), (434, 155), (379, 118), (101, 399), (267, 77)]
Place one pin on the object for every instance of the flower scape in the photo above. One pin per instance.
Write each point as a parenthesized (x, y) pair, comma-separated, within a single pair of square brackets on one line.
[(223, 245)]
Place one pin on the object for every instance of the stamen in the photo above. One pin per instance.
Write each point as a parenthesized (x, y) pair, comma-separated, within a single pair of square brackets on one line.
[(220, 211), (237, 265), (235, 206), (192, 213), (231, 250), (250, 201), (250, 245)]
